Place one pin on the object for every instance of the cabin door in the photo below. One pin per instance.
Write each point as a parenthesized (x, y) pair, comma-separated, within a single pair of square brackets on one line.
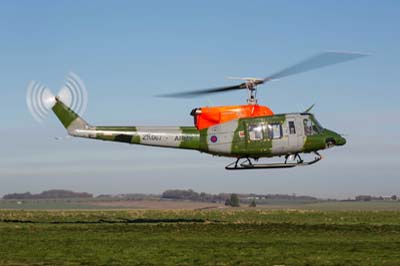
[(294, 134)]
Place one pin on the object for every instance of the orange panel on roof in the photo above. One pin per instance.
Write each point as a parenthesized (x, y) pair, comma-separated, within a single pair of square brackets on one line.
[(205, 117)]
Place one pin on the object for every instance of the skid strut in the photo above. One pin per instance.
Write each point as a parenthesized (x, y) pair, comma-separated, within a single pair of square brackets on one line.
[(247, 163)]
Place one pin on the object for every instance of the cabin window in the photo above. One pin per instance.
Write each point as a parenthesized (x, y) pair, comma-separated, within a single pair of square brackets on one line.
[(255, 131), (275, 131), (292, 129)]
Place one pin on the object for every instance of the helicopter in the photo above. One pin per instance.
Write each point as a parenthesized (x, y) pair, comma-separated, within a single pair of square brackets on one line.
[(246, 132)]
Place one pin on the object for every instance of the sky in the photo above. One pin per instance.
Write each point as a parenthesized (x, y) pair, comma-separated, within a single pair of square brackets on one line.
[(128, 51)]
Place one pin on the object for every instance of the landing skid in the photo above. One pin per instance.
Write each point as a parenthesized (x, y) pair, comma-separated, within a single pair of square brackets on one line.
[(248, 163)]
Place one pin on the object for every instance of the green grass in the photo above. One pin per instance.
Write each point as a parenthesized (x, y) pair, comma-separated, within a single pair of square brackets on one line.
[(354, 205), (224, 237)]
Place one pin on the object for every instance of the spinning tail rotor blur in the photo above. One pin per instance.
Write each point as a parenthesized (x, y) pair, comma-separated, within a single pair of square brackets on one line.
[(40, 99)]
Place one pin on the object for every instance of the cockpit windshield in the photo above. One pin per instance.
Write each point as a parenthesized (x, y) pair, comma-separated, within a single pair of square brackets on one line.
[(311, 126), (317, 124)]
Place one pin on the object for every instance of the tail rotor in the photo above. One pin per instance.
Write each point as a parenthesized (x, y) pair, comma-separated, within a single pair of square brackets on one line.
[(40, 100)]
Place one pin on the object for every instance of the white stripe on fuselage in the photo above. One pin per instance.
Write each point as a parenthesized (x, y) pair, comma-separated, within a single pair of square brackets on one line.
[(162, 136)]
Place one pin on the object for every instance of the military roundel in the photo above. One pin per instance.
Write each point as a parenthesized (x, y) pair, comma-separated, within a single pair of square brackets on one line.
[(214, 139)]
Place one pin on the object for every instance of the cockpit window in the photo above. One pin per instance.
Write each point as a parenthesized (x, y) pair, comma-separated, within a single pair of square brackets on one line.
[(317, 125), (311, 127), (307, 127)]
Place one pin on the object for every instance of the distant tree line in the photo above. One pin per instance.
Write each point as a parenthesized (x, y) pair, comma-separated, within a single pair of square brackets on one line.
[(370, 198), (189, 194), (49, 194), (230, 199), (128, 196)]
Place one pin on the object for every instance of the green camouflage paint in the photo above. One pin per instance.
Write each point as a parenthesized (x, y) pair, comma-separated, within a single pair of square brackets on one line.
[(203, 140), (190, 138), (314, 143), (239, 139), (64, 113), (121, 136)]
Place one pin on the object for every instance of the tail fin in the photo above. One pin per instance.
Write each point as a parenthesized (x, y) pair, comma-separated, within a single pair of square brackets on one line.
[(74, 124)]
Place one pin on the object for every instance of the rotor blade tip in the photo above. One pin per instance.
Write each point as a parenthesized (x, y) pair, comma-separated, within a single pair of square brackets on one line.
[(348, 53)]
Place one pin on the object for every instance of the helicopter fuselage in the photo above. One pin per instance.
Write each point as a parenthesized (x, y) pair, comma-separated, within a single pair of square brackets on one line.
[(254, 137)]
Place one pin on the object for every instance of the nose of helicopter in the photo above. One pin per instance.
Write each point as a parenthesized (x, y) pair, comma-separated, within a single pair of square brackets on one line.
[(334, 139), (340, 141)]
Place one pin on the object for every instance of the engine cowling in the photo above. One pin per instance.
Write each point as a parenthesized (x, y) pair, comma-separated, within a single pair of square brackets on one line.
[(205, 117)]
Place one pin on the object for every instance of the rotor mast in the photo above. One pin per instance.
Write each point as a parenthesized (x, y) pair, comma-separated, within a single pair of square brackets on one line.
[(252, 96), (251, 85)]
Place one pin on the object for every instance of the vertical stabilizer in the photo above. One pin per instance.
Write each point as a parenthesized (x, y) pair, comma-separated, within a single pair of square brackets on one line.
[(74, 124)]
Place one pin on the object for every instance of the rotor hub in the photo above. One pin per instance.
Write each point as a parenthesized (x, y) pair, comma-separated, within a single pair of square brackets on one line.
[(251, 85)]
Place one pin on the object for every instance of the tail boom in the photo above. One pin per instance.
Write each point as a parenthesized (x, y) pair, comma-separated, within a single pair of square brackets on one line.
[(172, 137)]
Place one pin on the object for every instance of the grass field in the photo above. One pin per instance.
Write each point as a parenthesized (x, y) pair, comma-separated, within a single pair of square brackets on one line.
[(207, 237)]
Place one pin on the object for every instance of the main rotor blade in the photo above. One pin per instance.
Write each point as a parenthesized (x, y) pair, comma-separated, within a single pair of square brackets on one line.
[(195, 93), (314, 62), (318, 61)]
